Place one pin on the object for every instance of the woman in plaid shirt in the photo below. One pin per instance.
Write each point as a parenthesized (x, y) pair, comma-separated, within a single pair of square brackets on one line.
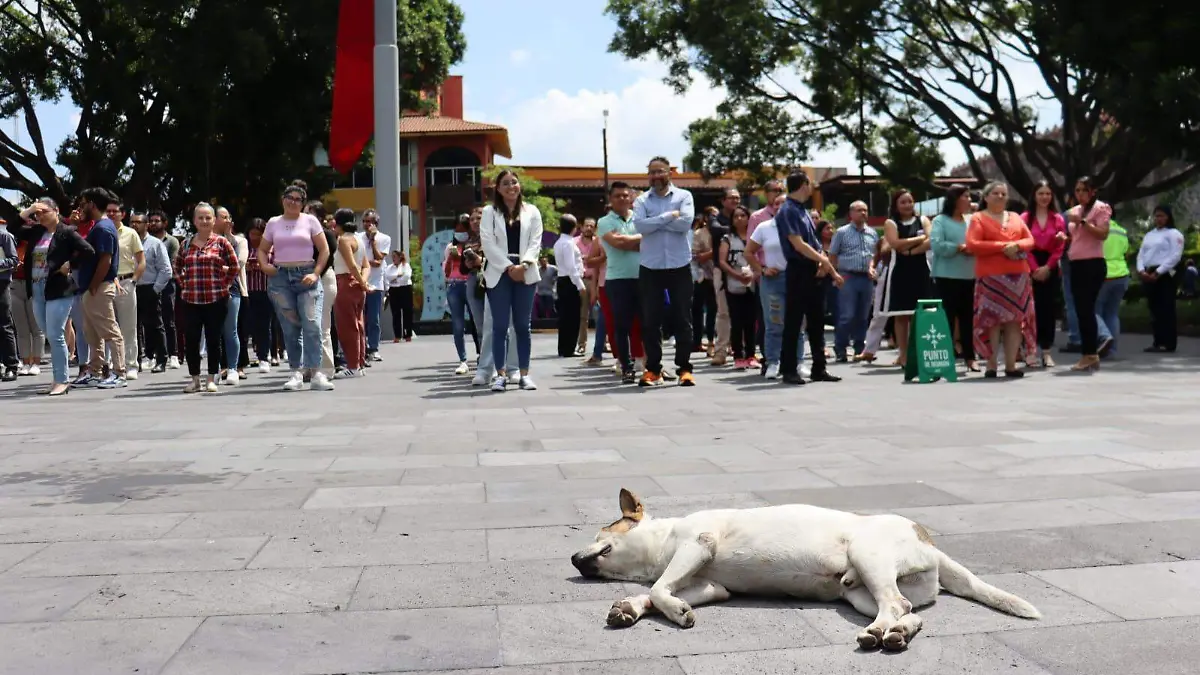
[(205, 269)]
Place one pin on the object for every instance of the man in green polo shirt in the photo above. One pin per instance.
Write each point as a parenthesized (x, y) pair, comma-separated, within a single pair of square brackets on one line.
[(622, 243)]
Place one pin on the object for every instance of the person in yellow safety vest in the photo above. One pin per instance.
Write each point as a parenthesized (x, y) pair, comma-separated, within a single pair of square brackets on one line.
[(1108, 303)]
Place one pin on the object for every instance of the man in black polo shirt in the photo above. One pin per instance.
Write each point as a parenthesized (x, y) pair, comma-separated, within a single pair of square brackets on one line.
[(805, 299)]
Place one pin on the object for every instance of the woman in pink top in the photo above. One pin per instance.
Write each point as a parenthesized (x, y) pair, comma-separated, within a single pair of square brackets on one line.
[(1045, 223), (1088, 229), (292, 284)]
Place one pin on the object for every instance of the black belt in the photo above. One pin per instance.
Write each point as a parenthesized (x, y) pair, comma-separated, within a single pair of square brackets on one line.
[(124, 277)]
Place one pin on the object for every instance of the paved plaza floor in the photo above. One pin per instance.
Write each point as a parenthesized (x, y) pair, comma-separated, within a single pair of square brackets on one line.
[(407, 522)]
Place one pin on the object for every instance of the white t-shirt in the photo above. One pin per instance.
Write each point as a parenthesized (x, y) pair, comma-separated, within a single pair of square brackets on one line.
[(766, 235), (384, 244)]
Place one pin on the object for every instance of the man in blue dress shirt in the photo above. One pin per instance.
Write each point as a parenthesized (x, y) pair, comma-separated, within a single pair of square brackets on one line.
[(805, 298), (663, 216)]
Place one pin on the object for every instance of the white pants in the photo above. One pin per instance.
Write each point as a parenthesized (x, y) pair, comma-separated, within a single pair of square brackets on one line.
[(878, 322), (126, 305), (329, 287)]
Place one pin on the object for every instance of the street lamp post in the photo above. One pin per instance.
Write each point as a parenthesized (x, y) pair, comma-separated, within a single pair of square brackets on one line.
[(387, 121), (604, 140)]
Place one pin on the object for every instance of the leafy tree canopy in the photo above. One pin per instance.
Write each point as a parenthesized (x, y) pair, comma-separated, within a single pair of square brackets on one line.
[(971, 72), (183, 100)]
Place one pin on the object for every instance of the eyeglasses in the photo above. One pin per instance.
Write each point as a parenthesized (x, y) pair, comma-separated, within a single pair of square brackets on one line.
[(294, 200), (372, 221)]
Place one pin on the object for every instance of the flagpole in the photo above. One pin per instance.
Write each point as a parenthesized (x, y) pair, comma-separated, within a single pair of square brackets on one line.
[(387, 123)]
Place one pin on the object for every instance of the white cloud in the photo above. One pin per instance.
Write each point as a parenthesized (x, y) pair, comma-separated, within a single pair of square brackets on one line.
[(519, 57)]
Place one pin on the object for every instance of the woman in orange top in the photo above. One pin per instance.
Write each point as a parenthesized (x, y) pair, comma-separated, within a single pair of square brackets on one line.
[(1000, 242)]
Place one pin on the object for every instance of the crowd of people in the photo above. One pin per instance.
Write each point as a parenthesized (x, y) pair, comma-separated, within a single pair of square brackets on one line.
[(304, 288), (732, 283)]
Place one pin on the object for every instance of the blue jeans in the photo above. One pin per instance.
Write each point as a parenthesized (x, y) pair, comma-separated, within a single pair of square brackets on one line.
[(772, 295), (299, 310), (1073, 336), (233, 346), (456, 297), (601, 333), (512, 305), (373, 311), (487, 358), (1108, 310), (81, 344), (833, 305), (854, 311), (52, 319)]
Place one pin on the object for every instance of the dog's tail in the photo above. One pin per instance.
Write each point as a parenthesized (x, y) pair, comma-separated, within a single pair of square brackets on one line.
[(961, 582)]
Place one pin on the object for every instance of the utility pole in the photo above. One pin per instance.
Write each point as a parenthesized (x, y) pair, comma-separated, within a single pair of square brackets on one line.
[(604, 141), (387, 121)]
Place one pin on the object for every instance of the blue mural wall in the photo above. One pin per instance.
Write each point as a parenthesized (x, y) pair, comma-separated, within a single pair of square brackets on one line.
[(436, 308)]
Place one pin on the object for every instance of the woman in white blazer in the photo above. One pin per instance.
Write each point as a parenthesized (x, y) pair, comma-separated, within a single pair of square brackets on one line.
[(511, 234)]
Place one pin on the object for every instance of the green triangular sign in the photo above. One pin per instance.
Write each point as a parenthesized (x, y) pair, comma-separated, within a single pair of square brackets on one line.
[(930, 345)]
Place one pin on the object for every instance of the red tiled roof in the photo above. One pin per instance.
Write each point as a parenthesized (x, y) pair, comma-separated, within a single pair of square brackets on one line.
[(424, 125)]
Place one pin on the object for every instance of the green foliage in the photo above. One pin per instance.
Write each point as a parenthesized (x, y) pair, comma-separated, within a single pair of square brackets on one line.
[(923, 72), (183, 101), (418, 274), (753, 136), (549, 207), (829, 212)]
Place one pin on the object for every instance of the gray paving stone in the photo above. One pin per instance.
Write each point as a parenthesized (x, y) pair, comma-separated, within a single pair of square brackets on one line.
[(605, 510), (1065, 466), (48, 599), (1069, 448), (62, 505), (667, 452), (951, 615), (905, 495), (329, 478), (569, 489), (740, 482), (974, 654), (481, 474), (1177, 480), (1152, 591), (1164, 459), (1165, 506), (397, 495), (398, 462), (1129, 648), (621, 469), (295, 523), (901, 472), (340, 642), (419, 517), (217, 593), (1011, 516), (225, 500), (661, 666), (260, 465), (383, 549), (93, 528), (71, 559), (580, 633), (92, 647), (472, 584), (548, 457), (1029, 488), (538, 543)]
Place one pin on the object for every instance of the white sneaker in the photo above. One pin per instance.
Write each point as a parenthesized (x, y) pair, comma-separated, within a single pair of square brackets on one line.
[(348, 374), (321, 383), (33, 371), (295, 382), (481, 378), (23, 370), (527, 383), (131, 374), (462, 369), (211, 387), (499, 383), (264, 367), (145, 364), (173, 363), (772, 371), (804, 372), (639, 365), (232, 378)]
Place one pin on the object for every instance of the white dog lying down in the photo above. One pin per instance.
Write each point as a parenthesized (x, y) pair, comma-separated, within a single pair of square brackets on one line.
[(882, 565)]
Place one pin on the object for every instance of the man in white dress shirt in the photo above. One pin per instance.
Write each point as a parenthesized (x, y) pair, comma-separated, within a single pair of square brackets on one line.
[(570, 286)]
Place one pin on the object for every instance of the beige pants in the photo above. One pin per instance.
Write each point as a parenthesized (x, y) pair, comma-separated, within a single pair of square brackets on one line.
[(101, 328), (329, 286), (721, 350), (585, 308), (125, 305), (30, 339)]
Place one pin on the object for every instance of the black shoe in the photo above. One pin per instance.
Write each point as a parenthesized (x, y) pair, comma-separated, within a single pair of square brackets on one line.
[(628, 377), (824, 376), (159, 368), (10, 375), (1105, 347), (989, 374), (1072, 349), (1014, 374), (843, 359), (792, 379), (1153, 349)]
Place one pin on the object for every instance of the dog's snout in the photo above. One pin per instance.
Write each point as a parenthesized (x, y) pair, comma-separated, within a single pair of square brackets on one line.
[(585, 564)]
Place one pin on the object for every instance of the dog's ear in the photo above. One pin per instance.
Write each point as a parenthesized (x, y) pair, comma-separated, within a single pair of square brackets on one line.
[(631, 506)]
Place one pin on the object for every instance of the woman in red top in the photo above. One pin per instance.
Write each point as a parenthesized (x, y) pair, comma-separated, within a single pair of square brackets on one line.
[(1045, 223), (1000, 242), (205, 270)]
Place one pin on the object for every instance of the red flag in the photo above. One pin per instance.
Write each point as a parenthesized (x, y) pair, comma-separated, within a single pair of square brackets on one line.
[(353, 120)]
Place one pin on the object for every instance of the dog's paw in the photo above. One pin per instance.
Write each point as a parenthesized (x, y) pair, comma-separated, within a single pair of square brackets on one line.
[(688, 619), (622, 614), (871, 638), (895, 641)]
